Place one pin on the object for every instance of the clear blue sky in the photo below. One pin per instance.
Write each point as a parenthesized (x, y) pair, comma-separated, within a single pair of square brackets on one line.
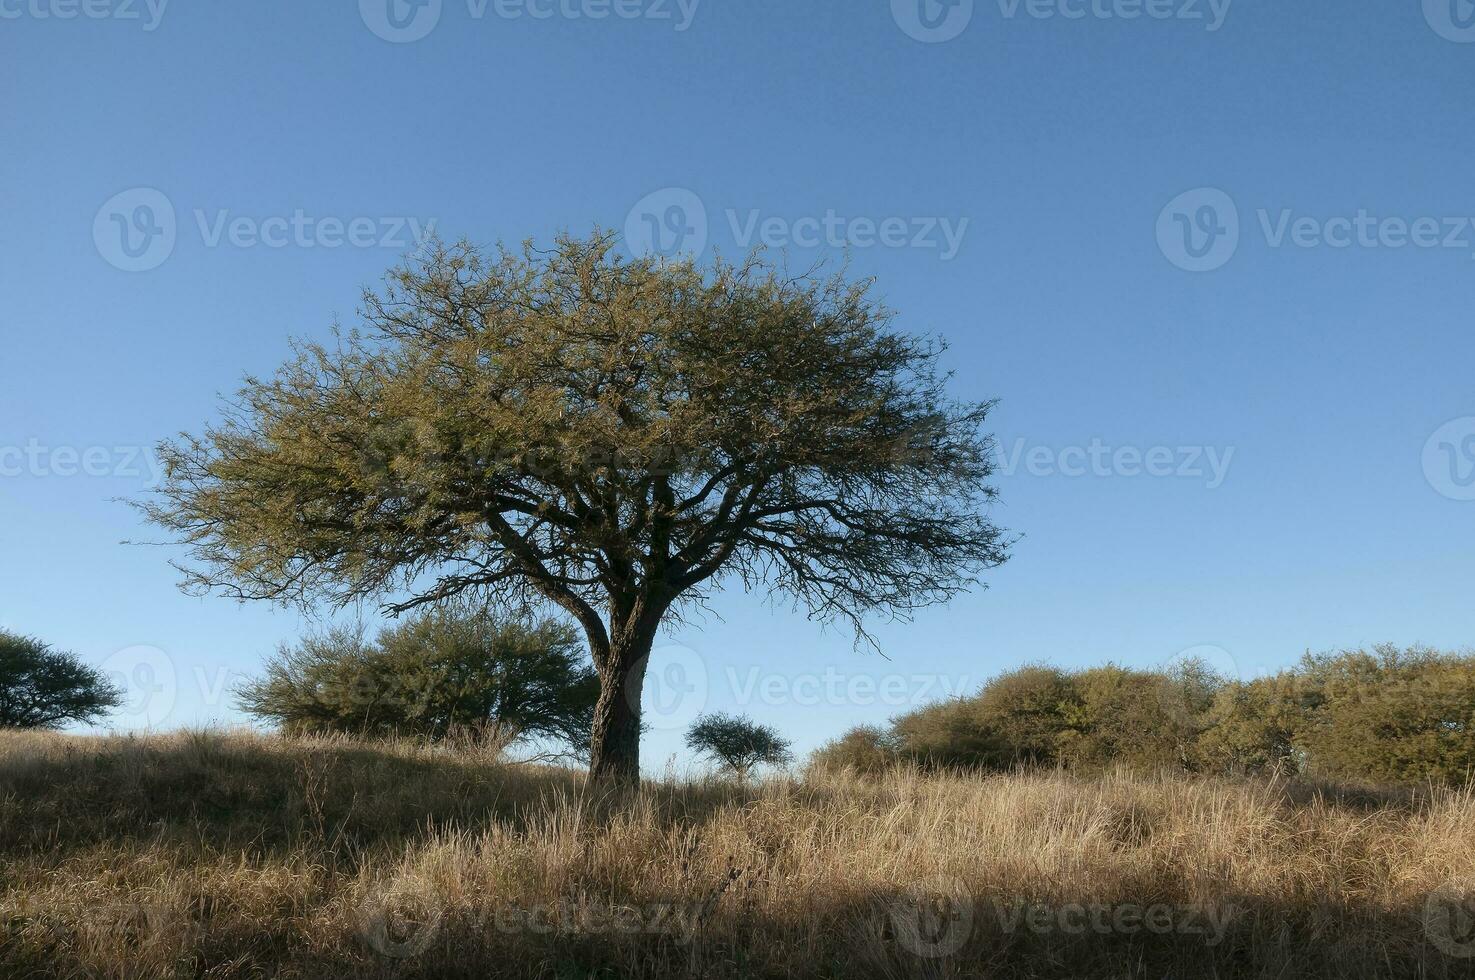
[(1325, 354)]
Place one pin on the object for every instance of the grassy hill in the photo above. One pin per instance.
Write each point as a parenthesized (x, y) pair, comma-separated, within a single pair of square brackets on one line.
[(226, 855)]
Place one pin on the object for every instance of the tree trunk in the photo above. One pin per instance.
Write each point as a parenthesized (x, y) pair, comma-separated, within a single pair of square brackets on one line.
[(614, 749)]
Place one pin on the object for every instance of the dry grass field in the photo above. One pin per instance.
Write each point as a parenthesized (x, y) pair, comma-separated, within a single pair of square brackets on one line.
[(233, 855)]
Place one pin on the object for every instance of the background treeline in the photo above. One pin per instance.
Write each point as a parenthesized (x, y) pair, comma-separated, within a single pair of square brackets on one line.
[(1385, 715)]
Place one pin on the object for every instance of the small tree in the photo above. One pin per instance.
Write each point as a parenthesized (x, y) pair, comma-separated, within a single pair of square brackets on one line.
[(441, 671), (44, 688), (737, 743)]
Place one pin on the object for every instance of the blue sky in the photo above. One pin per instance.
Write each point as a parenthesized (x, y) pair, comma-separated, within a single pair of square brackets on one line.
[(1216, 260)]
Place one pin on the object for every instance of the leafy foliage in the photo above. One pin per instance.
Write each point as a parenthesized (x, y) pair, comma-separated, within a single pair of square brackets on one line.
[(1387, 716), (866, 750), (444, 671), (739, 744), (41, 687)]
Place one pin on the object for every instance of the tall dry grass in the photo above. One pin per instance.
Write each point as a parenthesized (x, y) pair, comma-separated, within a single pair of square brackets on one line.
[(215, 855)]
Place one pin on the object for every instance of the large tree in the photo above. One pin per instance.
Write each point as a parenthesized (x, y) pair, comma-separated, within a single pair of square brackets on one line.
[(614, 436)]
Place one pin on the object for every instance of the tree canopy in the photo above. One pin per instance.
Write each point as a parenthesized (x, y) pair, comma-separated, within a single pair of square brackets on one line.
[(615, 436), (737, 743), (41, 687)]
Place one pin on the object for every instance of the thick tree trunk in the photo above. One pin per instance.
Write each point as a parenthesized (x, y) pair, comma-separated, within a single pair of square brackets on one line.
[(614, 749)]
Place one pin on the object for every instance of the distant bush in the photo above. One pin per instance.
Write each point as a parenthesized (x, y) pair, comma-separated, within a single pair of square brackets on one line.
[(442, 672), (1388, 715), (866, 750), (41, 687), (1024, 717)]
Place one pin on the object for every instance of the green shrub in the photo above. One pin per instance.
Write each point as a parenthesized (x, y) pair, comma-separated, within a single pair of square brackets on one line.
[(1143, 720), (1020, 718), (866, 750), (444, 671), (1389, 715), (1252, 727)]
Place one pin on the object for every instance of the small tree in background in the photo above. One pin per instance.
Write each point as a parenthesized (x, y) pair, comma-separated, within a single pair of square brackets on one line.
[(41, 687), (445, 670), (737, 743)]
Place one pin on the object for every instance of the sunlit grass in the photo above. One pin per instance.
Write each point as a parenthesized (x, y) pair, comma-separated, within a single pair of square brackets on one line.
[(222, 855)]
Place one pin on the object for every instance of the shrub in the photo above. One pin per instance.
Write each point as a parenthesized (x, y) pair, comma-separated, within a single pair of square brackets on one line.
[(41, 687), (1252, 727), (866, 750), (737, 743), (1019, 718), (1389, 715), (1144, 720), (443, 671)]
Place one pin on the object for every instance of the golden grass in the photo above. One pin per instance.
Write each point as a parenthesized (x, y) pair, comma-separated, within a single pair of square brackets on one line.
[(225, 855)]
